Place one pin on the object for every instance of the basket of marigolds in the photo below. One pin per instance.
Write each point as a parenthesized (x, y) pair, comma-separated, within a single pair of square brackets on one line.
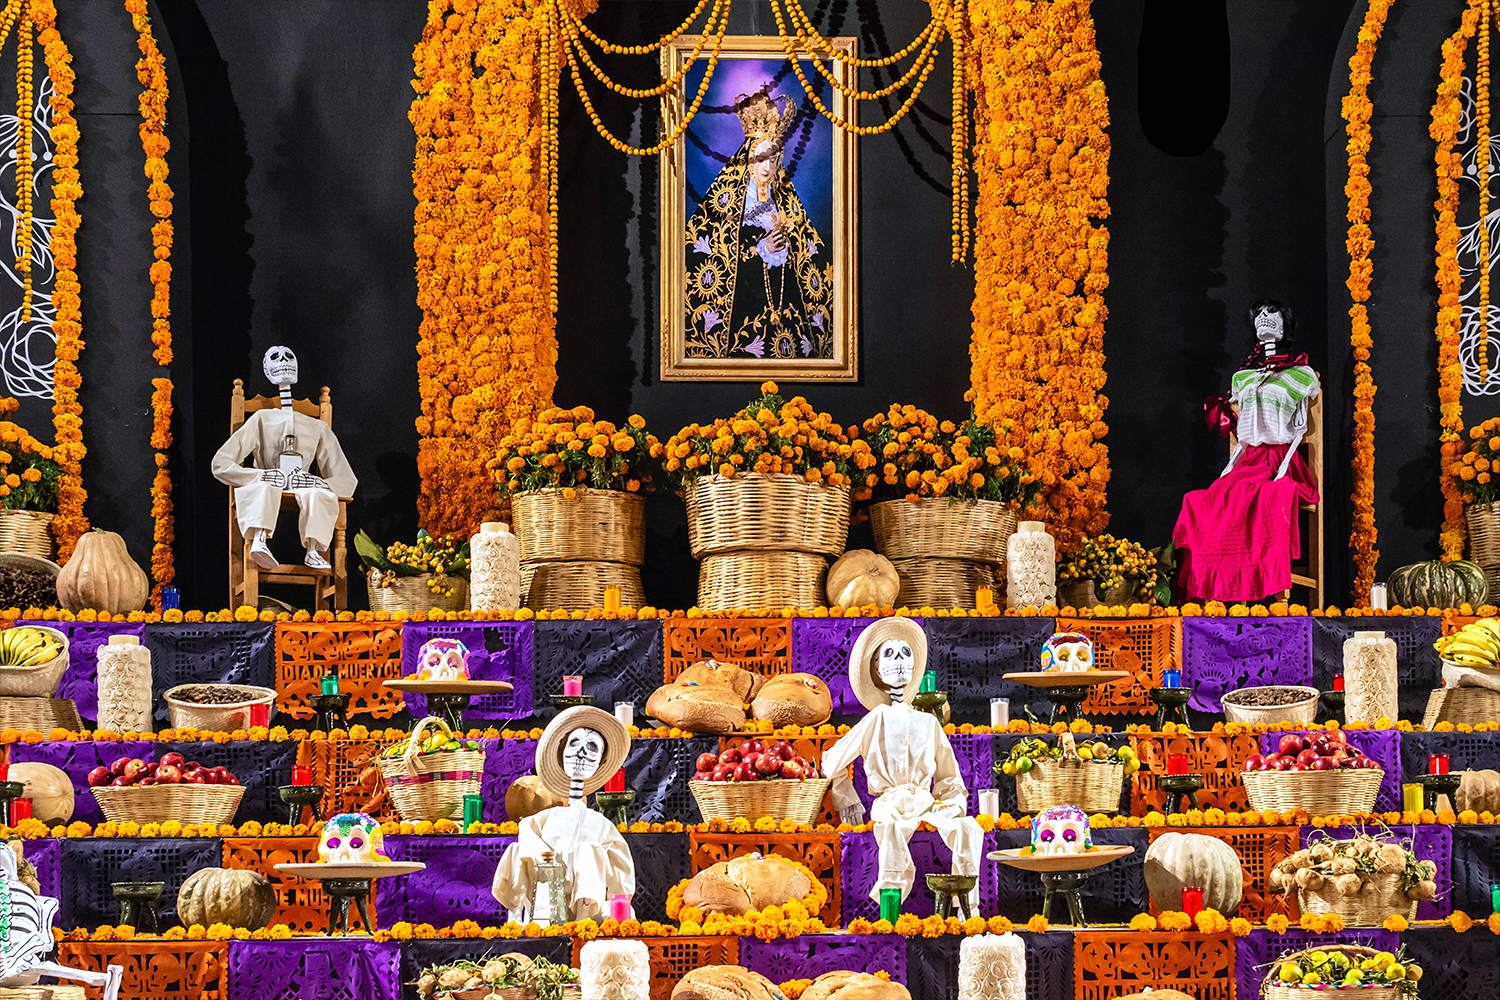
[(1333, 970), (1362, 879), (1106, 570), (1090, 776), (429, 773), (433, 573)]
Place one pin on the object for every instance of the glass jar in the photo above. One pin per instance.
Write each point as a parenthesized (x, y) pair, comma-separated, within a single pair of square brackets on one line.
[(549, 900)]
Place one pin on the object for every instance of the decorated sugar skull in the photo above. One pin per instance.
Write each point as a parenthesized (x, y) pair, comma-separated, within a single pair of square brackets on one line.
[(1068, 652), (351, 838), (1061, 830), (894, 663), (280, 366), (442, 660)]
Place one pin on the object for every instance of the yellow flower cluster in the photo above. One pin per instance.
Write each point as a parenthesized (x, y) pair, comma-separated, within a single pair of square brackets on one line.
[(919, 456), (29, 474), (570, 449), (1319, 923), (770, 436), (1042, 158), (1109, 562), (1478, 471)]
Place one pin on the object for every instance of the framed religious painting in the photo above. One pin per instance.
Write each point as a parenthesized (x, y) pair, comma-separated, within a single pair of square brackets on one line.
[(759, 214)]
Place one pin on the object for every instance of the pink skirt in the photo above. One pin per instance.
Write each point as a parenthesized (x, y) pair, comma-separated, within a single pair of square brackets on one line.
[(1236, 540)]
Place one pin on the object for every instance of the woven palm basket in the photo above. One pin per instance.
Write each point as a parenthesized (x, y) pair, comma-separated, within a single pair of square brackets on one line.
[(1093, 786), (412, 594), (1317, 793), (578, 586), (1368, 908), (1483, 522), (432, 786), (1460, 706), (940, 528), (760, 512), (59, 992), (40, 714), (28, 532), (186, 803), (1272, 989), (595, 526), (941, 583), (1304, 711), (741, 580), (779, 799)]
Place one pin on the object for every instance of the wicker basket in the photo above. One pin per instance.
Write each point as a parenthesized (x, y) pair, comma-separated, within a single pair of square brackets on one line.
[(940, 528), (217, 718), (1093, 786), (1272, 989), (596, 526), (942, 583), (28, 532), (766, 513), (1304, 711), (733, 580), (186, 803), (1119, 596), (1460, 706), (1076, 594), (1369, 908), (1317, 793), (39, 680), (411, 594), (40, 714), (578, 586), (432, 786), (779, 799), (57, 992), (1483, 522)]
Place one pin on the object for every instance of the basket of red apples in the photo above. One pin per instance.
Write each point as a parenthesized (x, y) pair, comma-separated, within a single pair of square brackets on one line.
[(758, 779), (1318, 772), (132, 789)]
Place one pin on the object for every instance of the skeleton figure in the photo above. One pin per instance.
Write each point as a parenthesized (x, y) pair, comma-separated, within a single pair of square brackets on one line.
[(27, 942), (894, 667), (443, 660), (1270, 327), (581, 756), (284, 445), (1061, 830), (351, 839), (1068, 652)]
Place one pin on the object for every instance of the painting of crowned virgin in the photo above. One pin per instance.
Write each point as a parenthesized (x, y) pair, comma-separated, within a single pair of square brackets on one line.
[(758, 273)]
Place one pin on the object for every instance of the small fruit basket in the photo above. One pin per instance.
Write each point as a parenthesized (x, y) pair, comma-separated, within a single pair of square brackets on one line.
[(1346, 969), (758, 779), (134, 790), (1363, 879), (429, 773), (1320, 773), (33, 659), (1090, 777)]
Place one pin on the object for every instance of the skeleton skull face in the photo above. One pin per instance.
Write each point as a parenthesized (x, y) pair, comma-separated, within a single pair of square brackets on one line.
[(1068, 652), (1269, 325), (281, 366), (443, 660), (351, 838), (1061, 830), (582, 753), (894, 663)]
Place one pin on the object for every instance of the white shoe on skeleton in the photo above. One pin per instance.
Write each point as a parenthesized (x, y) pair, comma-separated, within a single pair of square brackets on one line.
[(315, 559), (261, 552)]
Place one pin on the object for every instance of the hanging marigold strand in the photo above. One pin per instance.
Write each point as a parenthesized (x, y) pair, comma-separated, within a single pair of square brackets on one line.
[(25, 168), (1482, 158), (822, 45), (958, 17), (820, 48), (665, 85), (634, 50)]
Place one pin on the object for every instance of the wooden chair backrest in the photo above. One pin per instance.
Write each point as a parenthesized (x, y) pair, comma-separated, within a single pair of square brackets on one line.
[(240, 406)]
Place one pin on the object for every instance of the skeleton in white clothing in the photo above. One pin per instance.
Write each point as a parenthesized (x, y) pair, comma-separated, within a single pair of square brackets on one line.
[(908, 760), (284, 446)]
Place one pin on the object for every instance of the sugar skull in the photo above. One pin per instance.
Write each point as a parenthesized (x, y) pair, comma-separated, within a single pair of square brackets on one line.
[(351, 838), (1061, 830), (280, 366), (1068, 652), (442, 660), (894, 663), (581, 754)]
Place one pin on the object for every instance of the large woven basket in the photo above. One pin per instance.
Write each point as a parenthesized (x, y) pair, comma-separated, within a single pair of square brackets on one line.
[(732, 580), (1369, 908), (28, 532), (1272, 989), (40, 714), (1317, 793), (57, 992), (1304, 711), (39, 680), (224, 718), (940, 528), (578, 586), (412, 595), (1460, 706), (432, 786), (941, 583), (1093, 786), (766, 513), (779, 799), (595, 526), (186, 803), (1076, 594), (1483, 522)]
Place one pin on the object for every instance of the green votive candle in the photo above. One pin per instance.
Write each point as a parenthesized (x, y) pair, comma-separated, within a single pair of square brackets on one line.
[(473, 810), (890, 904), (929, 682), (330, 683), (1495, 898)]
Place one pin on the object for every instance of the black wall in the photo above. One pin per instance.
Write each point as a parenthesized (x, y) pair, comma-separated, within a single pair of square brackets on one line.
[(292, 160)]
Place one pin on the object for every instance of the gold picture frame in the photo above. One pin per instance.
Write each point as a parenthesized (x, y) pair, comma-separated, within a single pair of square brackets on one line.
[(787, 331)]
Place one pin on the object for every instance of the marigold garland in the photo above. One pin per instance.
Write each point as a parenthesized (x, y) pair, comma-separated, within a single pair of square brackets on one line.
[(1041, 155), (1446, 111), (1357, 109)]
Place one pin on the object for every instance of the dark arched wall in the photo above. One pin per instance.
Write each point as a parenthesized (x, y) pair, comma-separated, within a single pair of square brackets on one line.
[(292, 159)]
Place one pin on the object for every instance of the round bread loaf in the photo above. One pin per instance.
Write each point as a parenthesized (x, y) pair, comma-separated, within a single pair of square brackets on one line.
[(845, 985), (743, 884), (725, 982), (793, 700), (527, 796), (709, 709)]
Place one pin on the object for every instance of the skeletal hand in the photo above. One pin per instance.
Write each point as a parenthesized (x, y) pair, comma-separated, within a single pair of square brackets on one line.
[(854, 815), (307, 481), (274, 477)]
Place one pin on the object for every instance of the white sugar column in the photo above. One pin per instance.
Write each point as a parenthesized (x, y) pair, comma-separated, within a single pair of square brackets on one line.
[(615, 970), (124, 678), (1030, 567), (494, 569), (1370, 688), (991, 967)]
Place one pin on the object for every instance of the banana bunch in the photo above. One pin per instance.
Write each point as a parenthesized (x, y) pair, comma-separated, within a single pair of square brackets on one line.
[(27, 647), (1475, 645)]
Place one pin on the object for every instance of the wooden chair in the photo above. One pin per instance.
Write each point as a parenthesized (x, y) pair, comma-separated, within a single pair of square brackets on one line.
[(245, 577), (1310, 573)]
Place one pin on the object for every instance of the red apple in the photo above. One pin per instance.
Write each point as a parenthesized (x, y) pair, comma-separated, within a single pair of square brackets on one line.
[(1284, 764), (1307, 756), (147, 780), (99, 776), (229, 779), (134, 769), (745, 771), (751, 746), (1292, 744), (194, 777), (731, 756), (119, 782), (708, 761), (1297, 765), (703, 776), (724, 771), (174, 758), (785, 752), (118, 767), (1255, 763), (1324, 764), (768, 765), (1337, 738), (1322, 746), (791, 769), (168, 774)]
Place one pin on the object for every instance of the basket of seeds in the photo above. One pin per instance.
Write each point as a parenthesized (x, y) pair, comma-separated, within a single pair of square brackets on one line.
[(215, 708), (1272, 703)]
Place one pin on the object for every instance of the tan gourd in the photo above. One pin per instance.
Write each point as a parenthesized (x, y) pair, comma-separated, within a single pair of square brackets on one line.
[(226, 896), (1178, 859), (1479, 791), (860, 578), (101, 576)]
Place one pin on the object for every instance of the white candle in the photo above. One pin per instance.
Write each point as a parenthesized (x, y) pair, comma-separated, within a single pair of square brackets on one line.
[(999, 713), (625, 712), (989, 802), (1378, 597)]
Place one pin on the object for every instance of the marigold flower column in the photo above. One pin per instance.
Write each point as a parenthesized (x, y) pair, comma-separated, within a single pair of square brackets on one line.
[(1041, 157)]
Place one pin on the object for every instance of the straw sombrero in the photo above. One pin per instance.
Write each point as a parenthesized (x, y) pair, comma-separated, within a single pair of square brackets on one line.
[(862, 677), (549, 749)]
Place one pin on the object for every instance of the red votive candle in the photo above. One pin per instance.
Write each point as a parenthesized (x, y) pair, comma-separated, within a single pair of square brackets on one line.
[(4, 769), (260, 714), (1177, 763), (572, 686), (19, 809), (1192, 900), (619, 907), (1437, 763), (301, 775), (1338, 682), (617, 782)]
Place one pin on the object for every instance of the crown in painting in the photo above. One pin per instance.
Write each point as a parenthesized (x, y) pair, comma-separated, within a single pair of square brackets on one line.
[(762, 118)]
